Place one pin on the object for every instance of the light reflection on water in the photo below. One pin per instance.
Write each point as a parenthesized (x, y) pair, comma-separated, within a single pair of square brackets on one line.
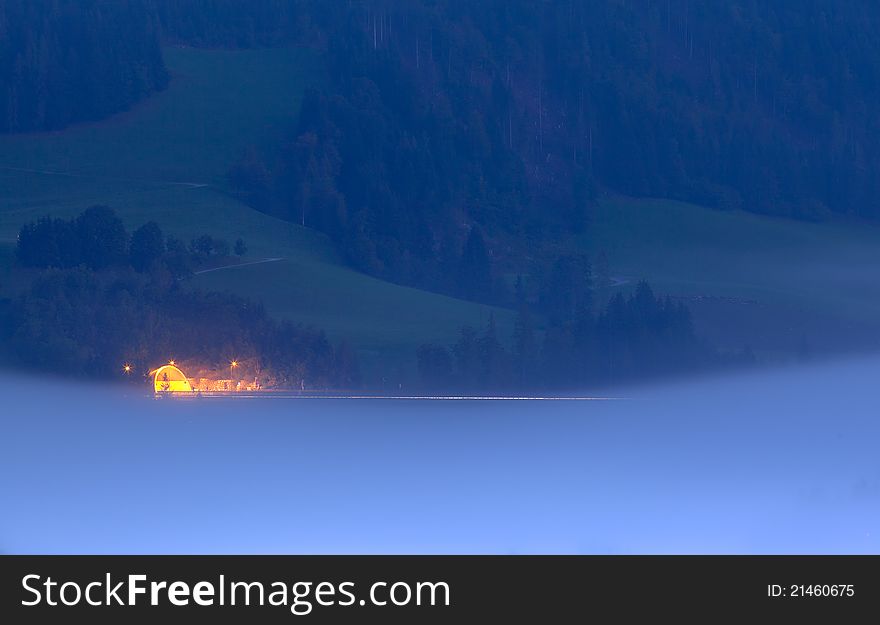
[(771, 462)]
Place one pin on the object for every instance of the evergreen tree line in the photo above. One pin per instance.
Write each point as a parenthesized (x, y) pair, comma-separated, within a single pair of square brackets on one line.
[(631, 337), (97, 239), (104, 298), (237, 23), (66, 61)]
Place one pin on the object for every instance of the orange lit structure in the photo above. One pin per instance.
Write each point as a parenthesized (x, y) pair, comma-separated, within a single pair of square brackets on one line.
[(170, 379)]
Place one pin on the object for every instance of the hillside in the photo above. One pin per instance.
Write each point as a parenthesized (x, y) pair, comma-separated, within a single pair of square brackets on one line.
[(166, 161), (772, 284), (509, 118)]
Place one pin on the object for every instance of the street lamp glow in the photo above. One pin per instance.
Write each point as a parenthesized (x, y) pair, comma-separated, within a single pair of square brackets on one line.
[(126, 367), (232, 365)]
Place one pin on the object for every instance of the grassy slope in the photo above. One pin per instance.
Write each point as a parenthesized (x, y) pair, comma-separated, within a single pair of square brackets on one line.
[(813, 280), (145, 164), (784, 280)]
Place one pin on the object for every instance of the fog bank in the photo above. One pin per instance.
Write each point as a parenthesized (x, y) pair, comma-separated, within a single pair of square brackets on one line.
[(769, 462)]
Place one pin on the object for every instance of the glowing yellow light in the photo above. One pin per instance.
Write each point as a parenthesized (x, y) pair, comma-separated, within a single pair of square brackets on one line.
[(170, 379), (127, 368), (234, 363), (172, 363)]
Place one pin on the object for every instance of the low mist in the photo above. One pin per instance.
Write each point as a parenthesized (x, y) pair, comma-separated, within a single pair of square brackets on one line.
[(781, 461)]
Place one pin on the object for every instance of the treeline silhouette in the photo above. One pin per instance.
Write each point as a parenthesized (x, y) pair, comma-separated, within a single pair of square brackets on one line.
[(66, 61), (631, 337), (240, 23), (97, 239), (103, 298)]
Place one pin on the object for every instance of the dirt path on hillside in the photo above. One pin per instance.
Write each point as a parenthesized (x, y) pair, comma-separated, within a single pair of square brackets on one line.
[(253, 262)]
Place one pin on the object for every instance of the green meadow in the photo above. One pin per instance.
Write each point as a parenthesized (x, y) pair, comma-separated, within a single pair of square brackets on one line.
[(765, 282)]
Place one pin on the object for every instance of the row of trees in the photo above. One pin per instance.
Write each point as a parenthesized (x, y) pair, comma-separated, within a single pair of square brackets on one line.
[(632, 337), (97, 239), (87, 323), (237, 23)]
